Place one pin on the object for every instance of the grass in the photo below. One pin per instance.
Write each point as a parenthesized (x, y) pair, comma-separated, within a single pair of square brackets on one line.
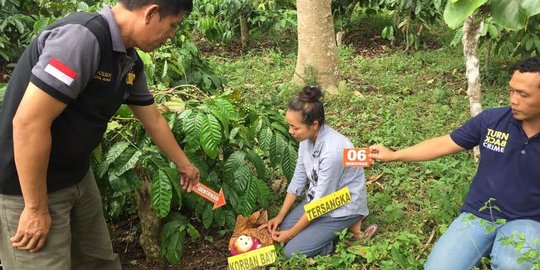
[(396, 98)]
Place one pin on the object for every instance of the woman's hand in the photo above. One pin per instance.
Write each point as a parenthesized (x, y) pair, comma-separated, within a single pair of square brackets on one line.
[(282, 236), (273, 224)]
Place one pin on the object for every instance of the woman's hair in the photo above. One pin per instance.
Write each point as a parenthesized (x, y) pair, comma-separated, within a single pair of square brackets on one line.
[(308, 104), (166, 7)]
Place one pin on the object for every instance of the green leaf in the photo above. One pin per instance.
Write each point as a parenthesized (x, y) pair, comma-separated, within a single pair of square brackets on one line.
[(207, 216), (6, 57), (3, 87), (175, 183), (213, 178), (231, 196), (227, 107), (457, 37), (388, 33), (242, 176), (165, 69), (102, 168), (120, 184), (115, 207), (192, 128), (126, 182), (508, 14), (233, 133), (162, 191), (222, 118), (199, 163), (193, 233), (256, 126), (456, 12), (126, 161), (40, 24), (536, 44), (277, 146), (172, 240), (493, 31), (248, 200), (529, 43), (230, 219), (219, 217), (263, 192), (210, 136), (115, 151), (265, 137), (288, 161), (257, 161), (217, 81), (19, 25), (234, 161), (185, 114), (279, 126), (530, 7)]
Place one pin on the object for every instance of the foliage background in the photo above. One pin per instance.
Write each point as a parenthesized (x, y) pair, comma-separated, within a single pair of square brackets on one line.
[(403, 81)]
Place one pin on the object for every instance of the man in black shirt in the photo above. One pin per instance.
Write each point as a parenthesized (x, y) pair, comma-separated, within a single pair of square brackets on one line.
[(65, 88)]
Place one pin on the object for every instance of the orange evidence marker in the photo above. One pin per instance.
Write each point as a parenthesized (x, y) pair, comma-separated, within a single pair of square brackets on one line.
[(217, 198), (356, 157)]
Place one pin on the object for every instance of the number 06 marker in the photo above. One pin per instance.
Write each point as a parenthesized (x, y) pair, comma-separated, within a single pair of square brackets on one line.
[(356, 157)]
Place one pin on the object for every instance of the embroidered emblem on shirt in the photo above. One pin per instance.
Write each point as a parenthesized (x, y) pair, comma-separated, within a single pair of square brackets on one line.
[(60, 71), (130, 78), (103, 76), (313, 184), (496, 140)]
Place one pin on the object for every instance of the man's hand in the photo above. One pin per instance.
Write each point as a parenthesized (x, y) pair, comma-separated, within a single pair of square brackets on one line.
[(380, 152), (189, 177), (282, 236), (32, 231)]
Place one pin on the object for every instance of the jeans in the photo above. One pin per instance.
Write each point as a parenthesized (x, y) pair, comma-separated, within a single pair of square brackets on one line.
[(467, 240)]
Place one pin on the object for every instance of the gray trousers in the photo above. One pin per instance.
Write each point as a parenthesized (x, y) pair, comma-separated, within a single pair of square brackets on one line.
[(78, 238), (317, 238)]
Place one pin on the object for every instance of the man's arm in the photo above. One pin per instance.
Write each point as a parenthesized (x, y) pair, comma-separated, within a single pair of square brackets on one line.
[(158, 129), (426, 150), (32, 148)]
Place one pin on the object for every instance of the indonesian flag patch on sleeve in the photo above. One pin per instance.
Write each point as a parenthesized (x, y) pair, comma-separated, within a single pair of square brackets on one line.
[(60, 71)]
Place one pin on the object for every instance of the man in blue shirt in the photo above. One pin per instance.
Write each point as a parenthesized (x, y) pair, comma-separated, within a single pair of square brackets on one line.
[(507, 179)]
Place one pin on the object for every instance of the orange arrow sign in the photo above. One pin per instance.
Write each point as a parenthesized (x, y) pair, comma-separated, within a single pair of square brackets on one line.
[(209, 194)]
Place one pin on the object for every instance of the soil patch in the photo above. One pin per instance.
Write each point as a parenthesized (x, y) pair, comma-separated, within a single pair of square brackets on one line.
[(198, 254)]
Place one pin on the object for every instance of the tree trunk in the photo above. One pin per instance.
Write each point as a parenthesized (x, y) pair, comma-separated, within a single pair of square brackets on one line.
[(317, 52), (244, 32), (472, 28), (150, 222)]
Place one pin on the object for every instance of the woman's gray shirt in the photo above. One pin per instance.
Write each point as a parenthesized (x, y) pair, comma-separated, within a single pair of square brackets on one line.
[(321, 164)]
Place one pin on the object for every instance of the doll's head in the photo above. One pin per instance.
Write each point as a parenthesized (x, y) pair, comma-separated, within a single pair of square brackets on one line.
[(243, 244)]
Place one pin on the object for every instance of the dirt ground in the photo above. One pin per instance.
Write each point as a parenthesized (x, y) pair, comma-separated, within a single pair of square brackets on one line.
[(198, 255)]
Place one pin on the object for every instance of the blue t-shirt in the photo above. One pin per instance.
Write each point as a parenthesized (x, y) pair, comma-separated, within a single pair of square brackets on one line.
[(509, 169)]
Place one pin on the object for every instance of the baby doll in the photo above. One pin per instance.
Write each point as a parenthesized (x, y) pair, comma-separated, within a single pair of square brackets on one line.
[(248, 233), (244, 243)]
